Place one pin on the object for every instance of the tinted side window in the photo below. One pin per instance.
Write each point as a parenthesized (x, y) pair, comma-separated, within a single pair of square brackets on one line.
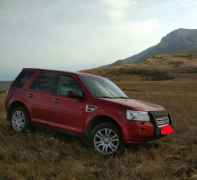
[(23, 77), (45, 82), (67, 84)]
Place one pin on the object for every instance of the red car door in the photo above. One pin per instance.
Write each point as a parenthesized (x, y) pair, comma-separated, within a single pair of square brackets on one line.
[(69, 104), (41, 97)]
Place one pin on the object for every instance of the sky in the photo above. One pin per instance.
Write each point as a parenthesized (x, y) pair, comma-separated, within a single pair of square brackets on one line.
[(74, 34)]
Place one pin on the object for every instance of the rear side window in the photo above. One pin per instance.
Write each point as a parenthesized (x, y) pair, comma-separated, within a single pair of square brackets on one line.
[(45, 82), (22, 78)]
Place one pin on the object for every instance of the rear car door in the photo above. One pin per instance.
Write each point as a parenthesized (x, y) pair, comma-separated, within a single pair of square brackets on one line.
[(41, 96), (69, 111)]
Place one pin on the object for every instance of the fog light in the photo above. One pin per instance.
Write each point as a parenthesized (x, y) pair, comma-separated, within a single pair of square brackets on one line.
[(167, 130)]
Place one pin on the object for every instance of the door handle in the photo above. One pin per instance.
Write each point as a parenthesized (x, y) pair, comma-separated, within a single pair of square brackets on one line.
[(30, 95), (56, 101)]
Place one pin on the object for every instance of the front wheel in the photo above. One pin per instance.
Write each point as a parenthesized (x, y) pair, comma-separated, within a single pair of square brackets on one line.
[(106, 139)]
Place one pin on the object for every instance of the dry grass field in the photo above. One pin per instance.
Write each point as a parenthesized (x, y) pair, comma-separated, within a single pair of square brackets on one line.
[(43, 155)]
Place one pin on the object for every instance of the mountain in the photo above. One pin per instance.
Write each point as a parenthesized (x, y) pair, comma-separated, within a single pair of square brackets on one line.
[(178, 41)]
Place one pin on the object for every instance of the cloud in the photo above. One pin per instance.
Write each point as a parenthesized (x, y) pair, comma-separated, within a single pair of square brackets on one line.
[(74, 35), (182, 4), (117, 10), (130, 36), (187, 3)]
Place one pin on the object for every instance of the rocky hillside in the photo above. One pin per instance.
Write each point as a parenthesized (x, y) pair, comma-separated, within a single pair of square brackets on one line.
[(158, 67), (178, 41)]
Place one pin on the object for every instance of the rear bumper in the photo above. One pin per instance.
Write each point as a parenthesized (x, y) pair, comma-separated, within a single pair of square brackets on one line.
[(140, 132)]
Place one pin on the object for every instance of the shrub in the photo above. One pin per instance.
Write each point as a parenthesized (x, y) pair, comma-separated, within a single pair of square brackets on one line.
[(188, 69), (153, 73), (148, 72), (2, 91), (159, 76)]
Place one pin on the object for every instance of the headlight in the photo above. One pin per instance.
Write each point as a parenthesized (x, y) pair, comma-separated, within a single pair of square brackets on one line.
[(137, 115)]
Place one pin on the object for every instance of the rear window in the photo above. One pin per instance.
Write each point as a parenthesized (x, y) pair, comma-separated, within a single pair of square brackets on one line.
[(45, 82), (22, 78)]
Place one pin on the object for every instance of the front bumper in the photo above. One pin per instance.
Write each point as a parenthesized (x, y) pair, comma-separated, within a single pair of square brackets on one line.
[(140, 132)]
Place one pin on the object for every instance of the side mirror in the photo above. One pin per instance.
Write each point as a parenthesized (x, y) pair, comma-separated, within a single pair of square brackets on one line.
[(73, 94)]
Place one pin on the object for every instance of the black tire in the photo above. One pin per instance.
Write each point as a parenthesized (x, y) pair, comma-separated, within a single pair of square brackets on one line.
[(114, 131), (25, 121)]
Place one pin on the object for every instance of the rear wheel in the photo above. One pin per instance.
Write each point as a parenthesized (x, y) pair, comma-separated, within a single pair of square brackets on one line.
[(19, 119), (106, 139)]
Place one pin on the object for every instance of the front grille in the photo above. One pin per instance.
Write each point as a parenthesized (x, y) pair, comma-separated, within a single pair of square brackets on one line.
[(160, 118), (162, 121)]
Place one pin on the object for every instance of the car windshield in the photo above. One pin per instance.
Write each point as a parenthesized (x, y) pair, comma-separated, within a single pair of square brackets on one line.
[(103, 88)]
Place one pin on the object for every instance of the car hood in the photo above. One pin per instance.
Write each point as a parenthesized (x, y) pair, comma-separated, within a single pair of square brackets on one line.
[(136, 104)]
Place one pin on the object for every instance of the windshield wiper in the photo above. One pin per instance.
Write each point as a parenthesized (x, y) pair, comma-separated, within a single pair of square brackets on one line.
[(121, 97), (104, 97)]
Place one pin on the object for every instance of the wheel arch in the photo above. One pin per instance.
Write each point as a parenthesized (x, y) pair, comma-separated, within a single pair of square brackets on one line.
[(102, 119), (15, 104)]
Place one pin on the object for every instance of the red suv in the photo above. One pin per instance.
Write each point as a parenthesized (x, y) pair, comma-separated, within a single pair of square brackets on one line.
[(90, 106)]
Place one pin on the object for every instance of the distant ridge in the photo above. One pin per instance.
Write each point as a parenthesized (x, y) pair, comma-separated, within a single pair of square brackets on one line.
[(4, 85), (178, 41)]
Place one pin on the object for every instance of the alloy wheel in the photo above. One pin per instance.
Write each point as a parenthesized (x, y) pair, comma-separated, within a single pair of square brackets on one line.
[(106, 141)]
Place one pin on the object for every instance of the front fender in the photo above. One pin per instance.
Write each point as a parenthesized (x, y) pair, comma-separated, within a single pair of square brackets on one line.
[(89, 121)]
